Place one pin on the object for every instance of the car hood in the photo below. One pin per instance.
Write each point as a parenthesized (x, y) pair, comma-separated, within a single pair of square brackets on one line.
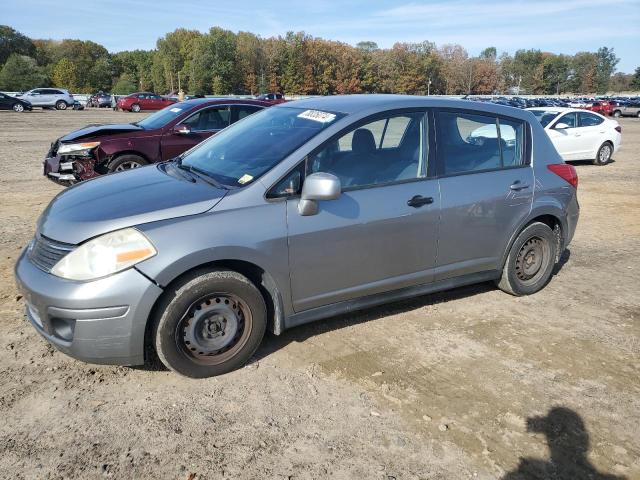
[(100, 130), (120, 200)]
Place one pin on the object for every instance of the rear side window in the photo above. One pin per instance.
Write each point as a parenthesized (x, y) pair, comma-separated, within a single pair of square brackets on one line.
[(570, 119), (472, 143), (589, 119), (241, 111)]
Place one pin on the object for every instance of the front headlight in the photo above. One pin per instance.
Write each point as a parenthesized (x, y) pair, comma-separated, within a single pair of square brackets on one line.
[(80, 149), (104, 255)]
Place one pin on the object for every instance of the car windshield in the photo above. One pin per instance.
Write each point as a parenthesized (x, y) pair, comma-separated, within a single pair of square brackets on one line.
[(161, 117), (544, 117), (243, 152)]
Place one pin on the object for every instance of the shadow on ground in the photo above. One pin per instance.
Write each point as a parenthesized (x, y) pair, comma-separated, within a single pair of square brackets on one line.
[(568, 442)]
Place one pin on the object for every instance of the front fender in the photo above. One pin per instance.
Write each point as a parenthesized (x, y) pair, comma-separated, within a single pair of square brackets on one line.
[(255, 235)]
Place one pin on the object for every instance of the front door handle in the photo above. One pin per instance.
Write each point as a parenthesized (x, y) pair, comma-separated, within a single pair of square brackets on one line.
[(418, 200), (518, 185)]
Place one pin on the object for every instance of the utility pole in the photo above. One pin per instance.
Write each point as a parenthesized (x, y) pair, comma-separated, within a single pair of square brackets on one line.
[(429, 86)]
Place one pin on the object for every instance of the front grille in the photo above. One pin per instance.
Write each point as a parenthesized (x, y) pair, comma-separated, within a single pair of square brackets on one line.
[(45, 253)]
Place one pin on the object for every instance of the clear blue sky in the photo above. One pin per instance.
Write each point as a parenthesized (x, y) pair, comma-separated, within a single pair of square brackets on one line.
[(559, 26)]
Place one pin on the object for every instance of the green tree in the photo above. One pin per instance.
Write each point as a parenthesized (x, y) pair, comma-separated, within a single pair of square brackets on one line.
[(21, 73), (125, 85), (489, 53), (65, 75), (605, 67), (12, 41), (635, 82), (556, 73), (212, 69)]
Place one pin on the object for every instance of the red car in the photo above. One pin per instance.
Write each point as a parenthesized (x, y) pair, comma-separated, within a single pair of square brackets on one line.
[(272, 98), (98, 149), (137, 102), (601, 106)]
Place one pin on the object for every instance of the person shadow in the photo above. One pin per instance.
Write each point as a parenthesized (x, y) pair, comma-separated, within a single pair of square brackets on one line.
[(568, 442)]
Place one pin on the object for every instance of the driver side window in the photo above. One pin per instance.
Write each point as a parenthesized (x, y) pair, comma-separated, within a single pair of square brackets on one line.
[(384, 151), (215, 118)]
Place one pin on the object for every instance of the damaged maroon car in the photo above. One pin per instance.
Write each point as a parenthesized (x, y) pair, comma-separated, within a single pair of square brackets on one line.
[(99, 149)]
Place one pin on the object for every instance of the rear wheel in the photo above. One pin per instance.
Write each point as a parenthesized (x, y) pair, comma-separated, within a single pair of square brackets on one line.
[(209, 324), (18, 107), (530, 261), (135, 108), (604, 154), (61, 105), (126, 162)]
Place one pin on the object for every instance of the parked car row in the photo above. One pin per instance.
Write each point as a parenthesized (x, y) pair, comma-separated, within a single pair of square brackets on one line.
[(274, 222), (608, 106)]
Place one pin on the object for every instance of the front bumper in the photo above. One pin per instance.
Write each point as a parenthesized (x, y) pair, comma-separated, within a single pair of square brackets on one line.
[(102, 321), (67, 171)]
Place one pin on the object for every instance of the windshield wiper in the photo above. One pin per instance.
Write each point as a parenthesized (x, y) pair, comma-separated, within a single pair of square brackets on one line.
[(203, 175)]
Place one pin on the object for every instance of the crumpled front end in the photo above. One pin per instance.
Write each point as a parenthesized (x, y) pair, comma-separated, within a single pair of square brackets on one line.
[(69, 169)]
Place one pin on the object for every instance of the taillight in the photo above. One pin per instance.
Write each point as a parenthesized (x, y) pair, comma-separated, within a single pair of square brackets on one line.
[(619, 129), (566, 172)]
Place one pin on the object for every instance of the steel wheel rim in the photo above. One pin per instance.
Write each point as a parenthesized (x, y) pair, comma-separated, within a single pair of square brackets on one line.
[(18, 107), (127, 166), (62, 106), (531, 259), (214, 328), (605, 153)]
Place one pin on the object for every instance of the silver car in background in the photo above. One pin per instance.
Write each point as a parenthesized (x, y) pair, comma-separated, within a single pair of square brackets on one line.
[(57, 98), (302, 211)]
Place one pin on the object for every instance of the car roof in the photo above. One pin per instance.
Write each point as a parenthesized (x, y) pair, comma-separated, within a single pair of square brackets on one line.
[(350, 104), (222, 100), (559, 109)]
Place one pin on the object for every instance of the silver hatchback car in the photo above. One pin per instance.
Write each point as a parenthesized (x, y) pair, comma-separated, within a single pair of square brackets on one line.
[(296, 213)]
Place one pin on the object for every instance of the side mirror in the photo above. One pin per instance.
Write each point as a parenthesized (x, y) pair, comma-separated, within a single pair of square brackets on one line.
[(182, 130), (316, 187), (561, 126)]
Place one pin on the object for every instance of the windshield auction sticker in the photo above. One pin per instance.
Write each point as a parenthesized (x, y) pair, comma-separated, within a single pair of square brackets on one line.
[(246, 178), (175, 110), (318, 116)]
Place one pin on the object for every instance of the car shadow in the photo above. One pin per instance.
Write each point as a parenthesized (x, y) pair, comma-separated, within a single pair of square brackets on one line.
[(568, 442)]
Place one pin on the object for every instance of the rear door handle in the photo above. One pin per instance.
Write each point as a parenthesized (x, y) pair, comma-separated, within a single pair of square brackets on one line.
[(418, 200), (517, 185)]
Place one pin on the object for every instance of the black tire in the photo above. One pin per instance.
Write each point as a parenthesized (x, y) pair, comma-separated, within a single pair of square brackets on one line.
[(135, 108), (604, 154), (638, 114), (126, 162), (530, 261), (617, 113), (61, 105), (18, 107), (183, 323)]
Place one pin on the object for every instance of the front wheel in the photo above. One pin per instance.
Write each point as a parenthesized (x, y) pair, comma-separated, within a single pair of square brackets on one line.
[(209, 324), (126, 162), (530, 261), (135, 108), (617, 113), (604, 154), (61, 105), (18, 107)]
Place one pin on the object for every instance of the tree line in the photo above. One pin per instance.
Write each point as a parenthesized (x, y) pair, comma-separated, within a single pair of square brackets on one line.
[(223, 62)]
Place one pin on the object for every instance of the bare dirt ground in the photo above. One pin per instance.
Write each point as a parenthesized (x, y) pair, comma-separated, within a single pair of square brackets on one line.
[(445, 386)]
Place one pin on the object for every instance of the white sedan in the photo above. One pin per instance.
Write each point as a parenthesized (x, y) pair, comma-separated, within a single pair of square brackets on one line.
[(580, 134)]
